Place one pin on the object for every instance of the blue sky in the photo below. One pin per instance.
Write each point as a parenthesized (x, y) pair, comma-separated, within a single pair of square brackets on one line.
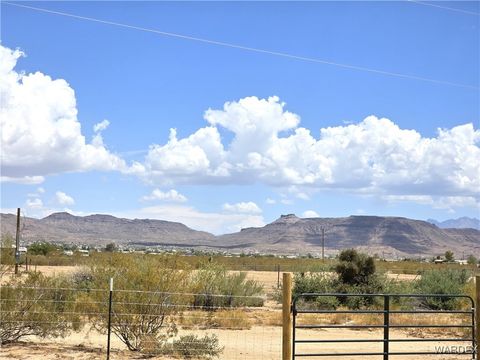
[(264, 154)]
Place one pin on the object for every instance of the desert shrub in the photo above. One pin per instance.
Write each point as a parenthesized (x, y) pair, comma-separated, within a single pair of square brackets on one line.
[(393, 286), (442, 282), (7, 252), (145, 300), (321, 282), (355, 273), (42, 248), (355, 268), (193, 346), (472, 260), (37, 305), (215, 287)]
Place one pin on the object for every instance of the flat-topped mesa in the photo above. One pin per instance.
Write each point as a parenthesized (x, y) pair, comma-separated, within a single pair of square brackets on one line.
[(287, 219)]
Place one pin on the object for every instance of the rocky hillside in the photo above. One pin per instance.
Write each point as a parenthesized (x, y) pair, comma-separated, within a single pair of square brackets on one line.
[(460, 223), (387, 236), (102, 229)]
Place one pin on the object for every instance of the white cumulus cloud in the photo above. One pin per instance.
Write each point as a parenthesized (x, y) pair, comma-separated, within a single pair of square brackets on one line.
[(170, 195), (213, 222), (310, 214), (63, 199), (101, 126), (34, 204), (243, 207), (374, 156), (41, 134)]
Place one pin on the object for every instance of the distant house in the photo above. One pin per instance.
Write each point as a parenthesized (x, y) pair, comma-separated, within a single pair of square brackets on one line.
[(84, 252), (68, 252)]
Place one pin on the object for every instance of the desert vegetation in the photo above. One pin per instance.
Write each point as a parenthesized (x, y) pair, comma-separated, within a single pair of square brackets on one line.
[(169, 305)]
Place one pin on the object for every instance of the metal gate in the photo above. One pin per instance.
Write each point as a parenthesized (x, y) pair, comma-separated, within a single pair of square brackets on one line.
[(302, 304)]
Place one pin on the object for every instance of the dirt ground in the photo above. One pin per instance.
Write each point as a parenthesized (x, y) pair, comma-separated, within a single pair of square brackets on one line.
[(258, 343), (268, 279)]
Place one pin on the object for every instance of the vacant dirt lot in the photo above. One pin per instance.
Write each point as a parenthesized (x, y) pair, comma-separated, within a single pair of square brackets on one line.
[(258, 343), (261, 341), (268, 279)]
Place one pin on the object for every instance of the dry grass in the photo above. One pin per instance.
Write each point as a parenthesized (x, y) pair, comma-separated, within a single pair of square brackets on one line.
[(222, 319)]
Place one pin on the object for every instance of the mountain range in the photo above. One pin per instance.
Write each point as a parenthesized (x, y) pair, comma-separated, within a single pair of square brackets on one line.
[(460, 223), (289, 234)]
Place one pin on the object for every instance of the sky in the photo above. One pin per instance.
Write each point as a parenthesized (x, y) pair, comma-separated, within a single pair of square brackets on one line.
[(224, 115)]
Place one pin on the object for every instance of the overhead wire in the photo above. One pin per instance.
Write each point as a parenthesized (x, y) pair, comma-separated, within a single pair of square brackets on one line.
[(246, 48), (444, 7)]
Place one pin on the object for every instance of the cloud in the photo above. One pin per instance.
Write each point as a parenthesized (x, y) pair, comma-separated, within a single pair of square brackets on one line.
[(449, 203), (243, 207), (310, 214), (374, 156), (213, 222), (170, 195), (41, 134), (63, 199), (34, 204), (26, 180), (270, 201), (101, 126)]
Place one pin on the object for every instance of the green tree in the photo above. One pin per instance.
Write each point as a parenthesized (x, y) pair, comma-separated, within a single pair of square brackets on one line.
[(449, 256), (472, 260), (111, 247), (355, 268), (42, 248), (357, 274)]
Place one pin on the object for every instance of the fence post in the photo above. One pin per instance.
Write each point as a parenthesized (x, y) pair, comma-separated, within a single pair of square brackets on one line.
[(109, 318), (386, 323), (477, 314), (278, 276), (287, 319)]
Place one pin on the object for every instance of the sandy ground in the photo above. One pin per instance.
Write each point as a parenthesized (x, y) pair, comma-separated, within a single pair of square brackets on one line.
[(266, 278), (258, 343)]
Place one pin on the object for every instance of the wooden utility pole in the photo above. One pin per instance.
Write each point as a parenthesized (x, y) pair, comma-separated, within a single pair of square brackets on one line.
[(287, 317), (17, 243)]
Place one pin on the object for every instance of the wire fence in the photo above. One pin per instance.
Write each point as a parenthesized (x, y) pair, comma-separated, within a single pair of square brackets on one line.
[(160, 324)]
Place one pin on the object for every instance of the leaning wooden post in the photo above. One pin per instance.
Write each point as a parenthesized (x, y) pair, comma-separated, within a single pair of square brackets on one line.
[(287, 318), (477, 314)]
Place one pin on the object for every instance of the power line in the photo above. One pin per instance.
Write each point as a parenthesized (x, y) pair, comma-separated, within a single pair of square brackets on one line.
[(445, 7), (247, 48)]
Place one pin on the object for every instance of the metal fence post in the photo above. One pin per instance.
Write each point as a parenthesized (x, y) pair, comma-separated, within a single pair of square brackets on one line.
[(477, 315), (386, 324), (287, 319), (109, 318)]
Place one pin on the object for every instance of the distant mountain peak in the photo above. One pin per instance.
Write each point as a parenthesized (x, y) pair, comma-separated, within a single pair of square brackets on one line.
[(287, 219), (463, 222), (63, 215)]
